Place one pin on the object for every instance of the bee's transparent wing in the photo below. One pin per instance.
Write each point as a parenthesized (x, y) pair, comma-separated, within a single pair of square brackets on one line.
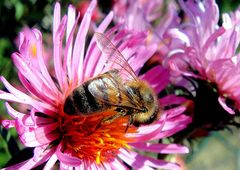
[(109, 89), (114, 58)]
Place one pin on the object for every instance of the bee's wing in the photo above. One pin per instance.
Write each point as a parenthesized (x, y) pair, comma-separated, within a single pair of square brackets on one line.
[(114, 58), (109, 89)]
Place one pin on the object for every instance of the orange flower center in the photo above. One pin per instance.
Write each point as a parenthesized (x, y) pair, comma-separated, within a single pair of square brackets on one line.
[(84, 139)]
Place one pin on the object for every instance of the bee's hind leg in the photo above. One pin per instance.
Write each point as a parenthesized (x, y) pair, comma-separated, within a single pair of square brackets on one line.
[(120, 113)]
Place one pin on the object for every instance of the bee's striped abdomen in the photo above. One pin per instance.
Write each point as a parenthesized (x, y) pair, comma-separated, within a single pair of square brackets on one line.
[(81, 101), (93, 95)]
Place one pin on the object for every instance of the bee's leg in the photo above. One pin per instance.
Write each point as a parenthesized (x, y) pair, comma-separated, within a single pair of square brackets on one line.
[(120, 113), (110, 119), (130, 121)]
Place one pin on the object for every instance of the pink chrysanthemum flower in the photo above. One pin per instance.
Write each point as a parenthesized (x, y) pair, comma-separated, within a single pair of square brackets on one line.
[(139, 15), (154, 17), (64, 139), (203, 49)]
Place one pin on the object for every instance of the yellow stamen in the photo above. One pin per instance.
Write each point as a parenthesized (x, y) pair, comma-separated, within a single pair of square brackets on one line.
[(101, 140), (98, 157)]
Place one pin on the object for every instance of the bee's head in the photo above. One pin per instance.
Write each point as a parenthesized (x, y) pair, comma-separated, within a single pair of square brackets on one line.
[(146, 98)]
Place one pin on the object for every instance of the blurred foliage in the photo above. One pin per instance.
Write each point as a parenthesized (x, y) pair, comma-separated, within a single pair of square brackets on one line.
[(220, 151), (16, 14), (227, 5)]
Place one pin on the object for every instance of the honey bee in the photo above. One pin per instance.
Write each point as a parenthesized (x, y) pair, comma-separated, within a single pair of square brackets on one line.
[(118, 89)]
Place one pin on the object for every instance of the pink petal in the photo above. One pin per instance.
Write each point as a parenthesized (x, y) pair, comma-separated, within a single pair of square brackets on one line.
[(67, 159), (221, 100), (13, 113), (42, 65), (71, 27), (33, 76), (176, 34), (8, 123), (38, 159), (90, 61), (157, 77), (56, 19), (10, 97), (35, 92), (174, 112), (17, 93), (211, 40), (50, 163), (160, 148), (117, 164), (57, 52), (138, 161), (171, 99), (79, 44)]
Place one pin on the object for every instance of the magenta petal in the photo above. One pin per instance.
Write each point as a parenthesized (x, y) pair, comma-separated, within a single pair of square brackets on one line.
[(171, 100), (157, 77)]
